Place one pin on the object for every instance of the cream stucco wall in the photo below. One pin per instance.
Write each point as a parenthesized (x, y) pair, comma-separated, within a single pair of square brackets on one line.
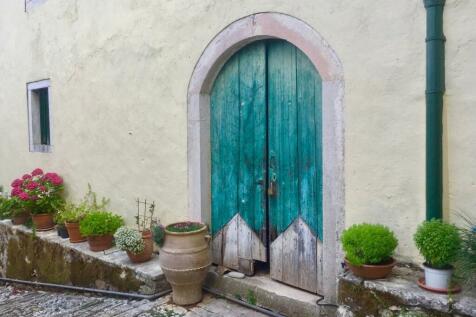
[(119, 73), (460, 110)]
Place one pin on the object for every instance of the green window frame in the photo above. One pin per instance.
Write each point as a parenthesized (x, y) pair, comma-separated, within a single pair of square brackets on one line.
[(39, 120)]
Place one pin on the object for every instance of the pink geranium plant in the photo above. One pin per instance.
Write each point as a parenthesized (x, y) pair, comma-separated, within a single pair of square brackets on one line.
[(39, 192)]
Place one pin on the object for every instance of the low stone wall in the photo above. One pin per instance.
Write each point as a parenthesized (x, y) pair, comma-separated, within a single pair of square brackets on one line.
[(45, 257), (399, 295)]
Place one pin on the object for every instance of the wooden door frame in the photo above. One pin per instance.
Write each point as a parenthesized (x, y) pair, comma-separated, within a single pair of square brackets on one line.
[(232, 38)]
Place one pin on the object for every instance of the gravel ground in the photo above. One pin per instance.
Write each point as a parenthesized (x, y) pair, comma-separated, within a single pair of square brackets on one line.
[(23, 302)]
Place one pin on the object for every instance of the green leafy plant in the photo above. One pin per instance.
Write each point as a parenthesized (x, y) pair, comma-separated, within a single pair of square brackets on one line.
[(100, 222), (10, 207), (466, 260), (158, 234), (251, 297), (368, 244), (128, 239), (438, 242), (71, 212), (92, 202), (186, 226)]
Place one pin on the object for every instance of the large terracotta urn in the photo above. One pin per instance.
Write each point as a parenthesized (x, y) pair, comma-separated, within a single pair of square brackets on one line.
[(185, 258)]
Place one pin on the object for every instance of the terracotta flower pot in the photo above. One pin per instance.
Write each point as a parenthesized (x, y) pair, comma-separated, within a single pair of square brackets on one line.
[(43, 222), (146, 254), (73, 231), (185, 258), (20, 219), (372, 272), (100, 243)]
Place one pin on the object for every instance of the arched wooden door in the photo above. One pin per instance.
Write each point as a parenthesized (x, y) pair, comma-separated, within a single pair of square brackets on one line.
[(267, 163)]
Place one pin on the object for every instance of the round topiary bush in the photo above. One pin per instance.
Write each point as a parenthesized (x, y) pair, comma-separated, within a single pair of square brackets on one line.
[(368, 244), (438, 242)]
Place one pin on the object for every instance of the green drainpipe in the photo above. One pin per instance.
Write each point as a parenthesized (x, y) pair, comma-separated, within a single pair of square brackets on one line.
[(435, 88)]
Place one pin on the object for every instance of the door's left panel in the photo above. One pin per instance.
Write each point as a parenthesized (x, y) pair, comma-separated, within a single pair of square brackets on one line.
[(238, 164)]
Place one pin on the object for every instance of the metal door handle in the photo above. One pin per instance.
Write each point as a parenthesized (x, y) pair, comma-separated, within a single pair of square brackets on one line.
[(272, 186)]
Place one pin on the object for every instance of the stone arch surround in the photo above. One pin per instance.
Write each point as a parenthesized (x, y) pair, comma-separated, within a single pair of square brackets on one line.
[(232, 38)]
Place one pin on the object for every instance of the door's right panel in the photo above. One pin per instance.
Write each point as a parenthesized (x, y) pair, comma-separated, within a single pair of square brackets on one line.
[(295, 166)]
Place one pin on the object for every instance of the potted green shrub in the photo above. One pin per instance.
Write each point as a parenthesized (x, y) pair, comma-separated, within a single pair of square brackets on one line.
[(138, 248), (466, 261), (11, 208), (185, 258), (439, 243), (368, 250), (99, 227), (41, 194), (71, 214)]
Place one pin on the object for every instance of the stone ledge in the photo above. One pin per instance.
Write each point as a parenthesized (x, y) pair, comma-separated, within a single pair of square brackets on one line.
[(49, 258), (400, 292), (269, 294)]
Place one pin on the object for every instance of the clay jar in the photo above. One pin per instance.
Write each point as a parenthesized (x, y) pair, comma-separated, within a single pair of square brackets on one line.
[(100, 243), (146, 254), (185, 258), (74, 233), (43, 222)]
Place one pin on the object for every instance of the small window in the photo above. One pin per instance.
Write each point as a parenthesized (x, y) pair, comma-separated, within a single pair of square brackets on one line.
[(30, 4), (39, 116)]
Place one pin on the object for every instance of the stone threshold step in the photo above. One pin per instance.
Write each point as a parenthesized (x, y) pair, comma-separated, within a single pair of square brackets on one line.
[(400, 292), (269, 294), (49, 258)]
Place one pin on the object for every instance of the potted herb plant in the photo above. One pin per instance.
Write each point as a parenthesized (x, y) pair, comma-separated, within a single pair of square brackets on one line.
[(439, 243), (12, 208), (138, 248), (368, 250), (185, 258), (41, 195), (99, 227), (71, 214)]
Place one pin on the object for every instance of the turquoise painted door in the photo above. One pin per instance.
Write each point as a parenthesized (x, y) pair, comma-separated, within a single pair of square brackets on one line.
[(238, 145), (267, 163), (295, 166)]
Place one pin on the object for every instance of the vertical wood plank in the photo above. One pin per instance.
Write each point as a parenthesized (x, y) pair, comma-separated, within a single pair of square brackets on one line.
[(224, 135), (217, 256), (252, 168), (290, 255), (282, 110), (320, 262), (230, 244), (310, 197), (307, 258)]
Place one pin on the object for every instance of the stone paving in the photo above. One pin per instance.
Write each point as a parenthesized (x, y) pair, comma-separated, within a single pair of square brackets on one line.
[(23, 302)]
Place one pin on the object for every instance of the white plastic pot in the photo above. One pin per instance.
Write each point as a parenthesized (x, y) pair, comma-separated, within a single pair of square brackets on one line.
[(437, 278)]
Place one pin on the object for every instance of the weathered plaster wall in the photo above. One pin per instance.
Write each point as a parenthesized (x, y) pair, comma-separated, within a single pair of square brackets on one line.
[(460, 110), (119, 72)]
